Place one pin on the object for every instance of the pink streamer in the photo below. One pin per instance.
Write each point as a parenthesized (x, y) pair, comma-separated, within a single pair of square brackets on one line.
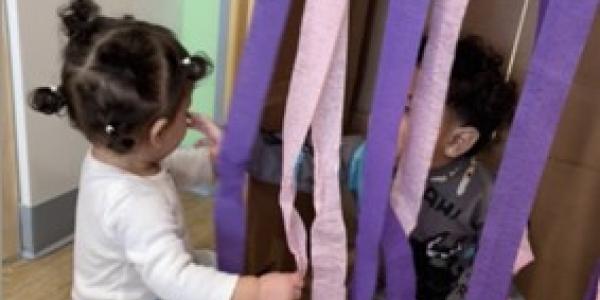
[(328, 235), (524, 254), (316, 96), (426, 110)]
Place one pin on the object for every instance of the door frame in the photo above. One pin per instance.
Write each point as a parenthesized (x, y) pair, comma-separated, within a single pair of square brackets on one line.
[(9, 195), (235, 23)]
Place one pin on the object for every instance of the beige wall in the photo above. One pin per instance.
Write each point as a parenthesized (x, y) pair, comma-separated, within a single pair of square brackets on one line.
[(166, 13)]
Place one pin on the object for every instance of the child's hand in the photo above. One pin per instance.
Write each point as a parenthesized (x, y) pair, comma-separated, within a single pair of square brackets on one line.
[(272, 286), (284, 286), (212, 133)]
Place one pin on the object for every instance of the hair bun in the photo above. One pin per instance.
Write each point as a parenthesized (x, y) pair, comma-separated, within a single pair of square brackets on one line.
[(48, 101), (78, 17), (198, 66)]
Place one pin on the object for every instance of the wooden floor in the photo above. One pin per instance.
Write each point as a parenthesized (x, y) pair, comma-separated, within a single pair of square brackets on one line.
[(49, 277)]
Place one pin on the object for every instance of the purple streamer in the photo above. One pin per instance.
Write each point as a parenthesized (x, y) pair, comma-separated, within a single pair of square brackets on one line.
[(252, 83), (559, 47), (592, 290), (404, 27)]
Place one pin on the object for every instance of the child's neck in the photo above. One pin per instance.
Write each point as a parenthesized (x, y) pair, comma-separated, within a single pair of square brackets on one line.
[(132, 162)]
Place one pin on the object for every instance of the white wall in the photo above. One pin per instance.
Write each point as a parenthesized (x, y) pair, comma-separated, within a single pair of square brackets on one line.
[(50, 152)]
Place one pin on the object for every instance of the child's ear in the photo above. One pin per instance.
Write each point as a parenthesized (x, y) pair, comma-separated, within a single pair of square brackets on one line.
[(461, 141), (156, 131)]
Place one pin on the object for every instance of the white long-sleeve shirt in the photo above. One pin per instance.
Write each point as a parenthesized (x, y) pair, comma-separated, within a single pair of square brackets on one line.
[(130, 241)]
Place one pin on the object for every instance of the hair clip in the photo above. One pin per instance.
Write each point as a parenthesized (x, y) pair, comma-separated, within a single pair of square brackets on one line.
[(186, 61), (109, 129)]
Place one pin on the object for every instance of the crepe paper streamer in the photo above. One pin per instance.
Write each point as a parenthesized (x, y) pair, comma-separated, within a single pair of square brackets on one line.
[(524, 254), (593, 290), (543, 8), (427, 110), (255, 71), (403, 30), (400, 278), (553, 65), (316, 95), (328, 235)]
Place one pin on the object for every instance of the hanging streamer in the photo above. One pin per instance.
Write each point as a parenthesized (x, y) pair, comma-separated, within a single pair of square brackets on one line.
[(593, 290), (316, 96), (524, 254), (398, 260), (402, 35), (255, 71), (559, 46), (543, 8), (329, 245), (427, 110)]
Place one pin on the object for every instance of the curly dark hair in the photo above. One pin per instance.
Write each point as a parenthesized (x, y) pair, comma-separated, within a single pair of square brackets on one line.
[(478, 92), (119, 75)]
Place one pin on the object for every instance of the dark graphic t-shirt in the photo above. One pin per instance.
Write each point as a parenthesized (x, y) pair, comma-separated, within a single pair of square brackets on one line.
[(444, 241)]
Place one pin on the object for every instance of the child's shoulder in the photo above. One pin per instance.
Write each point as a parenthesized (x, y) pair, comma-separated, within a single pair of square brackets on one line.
[(110, 185), (109, 179)]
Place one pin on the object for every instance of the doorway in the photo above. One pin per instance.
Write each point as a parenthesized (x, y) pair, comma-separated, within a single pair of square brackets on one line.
[(8, 165)]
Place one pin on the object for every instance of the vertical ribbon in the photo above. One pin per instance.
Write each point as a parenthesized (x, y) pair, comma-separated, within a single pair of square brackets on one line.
[(316, 97), (543, 7), (402, 35), (252, 82), (329, 246), (427, 110), (593, 289), (524, 254), (556, 55)]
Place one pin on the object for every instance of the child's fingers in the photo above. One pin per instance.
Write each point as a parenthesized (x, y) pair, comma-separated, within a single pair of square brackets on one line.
[(297, 280), (203, 143), (198, 122), (297, 294), (206, 126)]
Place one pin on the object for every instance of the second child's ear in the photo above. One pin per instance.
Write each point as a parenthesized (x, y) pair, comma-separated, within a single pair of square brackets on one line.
[(462, 140), (156, 131)]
